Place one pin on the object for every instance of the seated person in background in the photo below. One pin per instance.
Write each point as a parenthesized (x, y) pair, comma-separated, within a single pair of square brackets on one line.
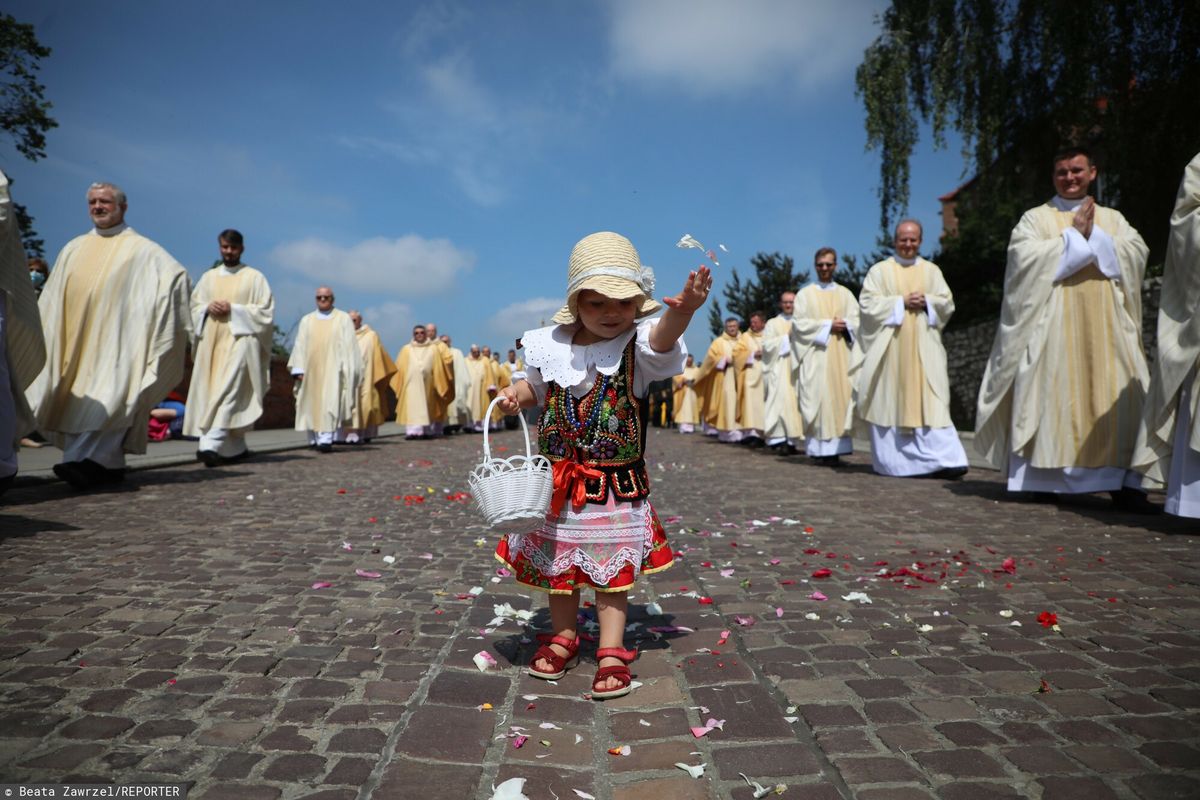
[(166, 419)]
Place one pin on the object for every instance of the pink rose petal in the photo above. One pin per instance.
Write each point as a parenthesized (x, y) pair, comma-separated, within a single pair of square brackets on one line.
[(778, 612), (322, 585), (817, 596), (366, 573)]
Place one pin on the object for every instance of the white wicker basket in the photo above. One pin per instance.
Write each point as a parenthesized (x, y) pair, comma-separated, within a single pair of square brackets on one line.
[(514, 488)]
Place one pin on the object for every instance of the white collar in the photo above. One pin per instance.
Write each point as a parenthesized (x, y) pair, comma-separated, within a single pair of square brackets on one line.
[(1063, 204), (324, 314), (229, 270), (905, 262), (825, 287), (550, 350), (115, 230)]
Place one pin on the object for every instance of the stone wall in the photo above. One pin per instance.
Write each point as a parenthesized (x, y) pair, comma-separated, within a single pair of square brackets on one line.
[(967, 350)]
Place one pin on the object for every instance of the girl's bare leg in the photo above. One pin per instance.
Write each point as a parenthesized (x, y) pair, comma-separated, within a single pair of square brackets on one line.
[(611, 610), (564, 610)]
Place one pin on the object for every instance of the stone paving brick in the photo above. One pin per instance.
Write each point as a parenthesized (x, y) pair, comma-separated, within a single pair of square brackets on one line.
[(964, 763), (294, 767), (683, 788), (858, 771), (1081, 788), (896, 793), (765, 761), (1164, 787)]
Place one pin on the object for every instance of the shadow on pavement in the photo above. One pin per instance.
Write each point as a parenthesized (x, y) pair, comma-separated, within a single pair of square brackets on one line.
[(14, 525), (1096, 506)]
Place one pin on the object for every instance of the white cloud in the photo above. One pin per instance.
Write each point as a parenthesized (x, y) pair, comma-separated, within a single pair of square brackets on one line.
[(719, 47), (514, 319), (410, 264), (393, 321)]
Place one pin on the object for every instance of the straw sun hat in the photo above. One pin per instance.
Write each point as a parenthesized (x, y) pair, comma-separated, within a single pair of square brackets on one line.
[(607, 263)]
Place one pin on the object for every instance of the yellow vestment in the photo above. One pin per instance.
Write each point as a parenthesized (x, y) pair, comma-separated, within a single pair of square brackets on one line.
[(378, 367)]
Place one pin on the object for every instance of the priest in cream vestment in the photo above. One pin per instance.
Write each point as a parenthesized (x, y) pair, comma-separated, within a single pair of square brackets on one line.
[(116, 322), (686, 408), (826, 334), (903, 388), (22, 344), (1169, 441), (1062, 395), (233, 315), (422, 384), (458, 415), (717, 385), (328, 366), (752, 397), (378, 368), (440, 404), (782, 425), (482, 388)]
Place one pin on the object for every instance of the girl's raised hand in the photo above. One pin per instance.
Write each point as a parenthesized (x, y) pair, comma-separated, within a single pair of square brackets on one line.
[(509, 404), (695, 291)]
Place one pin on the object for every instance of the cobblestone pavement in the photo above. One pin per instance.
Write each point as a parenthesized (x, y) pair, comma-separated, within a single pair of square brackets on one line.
[(172, 630)]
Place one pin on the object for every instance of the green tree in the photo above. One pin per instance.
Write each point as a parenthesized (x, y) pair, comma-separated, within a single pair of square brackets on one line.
[(1019, 78), (774, 274), (24, 111)]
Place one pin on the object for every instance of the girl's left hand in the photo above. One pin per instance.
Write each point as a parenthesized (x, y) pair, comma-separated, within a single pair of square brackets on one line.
[(695, 291)]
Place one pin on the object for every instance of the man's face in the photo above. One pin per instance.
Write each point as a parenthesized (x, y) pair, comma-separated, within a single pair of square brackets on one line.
[(420, 334), (908, 239), (104, 209), (826, 265), (444, 339), (431, 331), (691, 362), (231, 253), (324, 299), (757, 323), (487, 352), (356, 318), (1073, 176), (787, 302), (732, 328), (512, 356), (475, 351)]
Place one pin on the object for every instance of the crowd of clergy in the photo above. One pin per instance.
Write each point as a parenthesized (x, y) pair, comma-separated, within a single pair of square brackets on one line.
[(1068, 402), (89, 350)]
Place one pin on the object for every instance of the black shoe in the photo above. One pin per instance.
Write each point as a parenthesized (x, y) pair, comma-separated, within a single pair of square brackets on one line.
[(101, 475), (324, 448), (1133, 501), (1040, 497), (950, 473), (242, 456), (73, 473), (210, 458), (7, 482)]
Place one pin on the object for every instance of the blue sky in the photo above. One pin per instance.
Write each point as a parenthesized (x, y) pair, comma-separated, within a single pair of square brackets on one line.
[(436, 161)]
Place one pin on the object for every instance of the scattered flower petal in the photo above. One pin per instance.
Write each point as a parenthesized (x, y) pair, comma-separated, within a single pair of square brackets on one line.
[(322, 585), (695, 771), (818, 596), (861, 597), (366, 573), (483, 660)]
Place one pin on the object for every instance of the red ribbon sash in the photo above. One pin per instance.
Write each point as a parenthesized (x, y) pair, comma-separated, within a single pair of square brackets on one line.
[(570, 477)]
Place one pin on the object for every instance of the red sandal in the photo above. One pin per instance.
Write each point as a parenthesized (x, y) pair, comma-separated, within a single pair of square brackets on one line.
[(560, 663), (620, 672)]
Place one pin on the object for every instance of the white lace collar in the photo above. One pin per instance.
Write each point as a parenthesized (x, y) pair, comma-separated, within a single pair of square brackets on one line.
[(825, 287), (550, 350), (906, 262)]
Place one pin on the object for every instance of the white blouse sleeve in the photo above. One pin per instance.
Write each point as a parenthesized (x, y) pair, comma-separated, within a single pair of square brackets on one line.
[(533, 376), (650, 365)]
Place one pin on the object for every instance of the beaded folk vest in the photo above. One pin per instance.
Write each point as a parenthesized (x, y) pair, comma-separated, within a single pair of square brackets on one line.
[(604, 430)]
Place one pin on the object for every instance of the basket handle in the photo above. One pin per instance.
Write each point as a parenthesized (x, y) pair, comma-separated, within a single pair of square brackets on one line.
[(487, 419)]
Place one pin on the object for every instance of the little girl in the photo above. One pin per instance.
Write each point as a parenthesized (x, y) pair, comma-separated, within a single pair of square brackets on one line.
[(591, 373)]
